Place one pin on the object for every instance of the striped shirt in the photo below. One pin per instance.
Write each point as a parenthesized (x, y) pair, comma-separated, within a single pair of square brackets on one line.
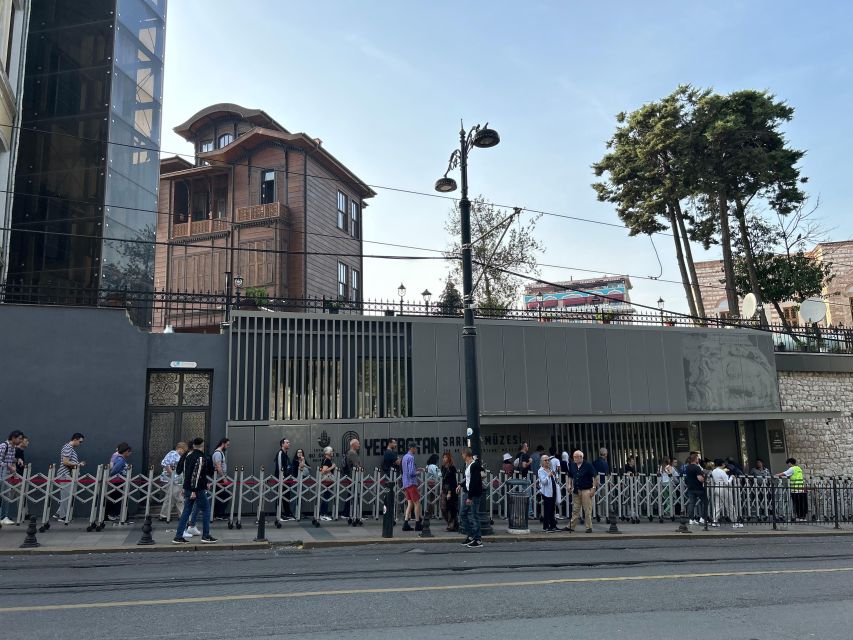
[(7, 459), (70, 453)]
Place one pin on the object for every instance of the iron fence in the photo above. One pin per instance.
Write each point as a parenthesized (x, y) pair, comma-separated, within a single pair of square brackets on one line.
[(194, 311), (97, 498)]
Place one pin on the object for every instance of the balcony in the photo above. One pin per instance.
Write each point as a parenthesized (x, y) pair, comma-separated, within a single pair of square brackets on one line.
[(258, 212), (198, 228)]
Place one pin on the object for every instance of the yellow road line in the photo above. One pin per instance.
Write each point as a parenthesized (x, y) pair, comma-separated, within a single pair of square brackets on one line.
[(450, 587)]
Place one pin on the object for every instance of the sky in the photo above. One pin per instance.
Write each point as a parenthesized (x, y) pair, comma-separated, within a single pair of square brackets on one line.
[(384, 85)]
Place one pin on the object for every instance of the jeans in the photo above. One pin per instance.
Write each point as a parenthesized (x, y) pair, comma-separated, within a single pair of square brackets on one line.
[(470, 516), (5, 501), (697, 502), (203, 503)]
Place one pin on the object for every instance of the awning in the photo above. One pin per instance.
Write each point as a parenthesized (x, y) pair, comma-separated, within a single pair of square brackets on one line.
[(659, 417)]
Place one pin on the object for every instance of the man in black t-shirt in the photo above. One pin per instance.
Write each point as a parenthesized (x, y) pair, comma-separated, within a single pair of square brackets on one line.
[(697, 498), (390, 461)]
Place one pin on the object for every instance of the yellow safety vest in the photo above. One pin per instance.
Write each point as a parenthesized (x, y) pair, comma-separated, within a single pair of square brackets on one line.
[(796, 479)]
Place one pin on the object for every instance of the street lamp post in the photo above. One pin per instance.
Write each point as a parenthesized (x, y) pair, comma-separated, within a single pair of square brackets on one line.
[(229, 279), (660, 306), (401, 291), (482, 137), (427, 297), (238, 284)]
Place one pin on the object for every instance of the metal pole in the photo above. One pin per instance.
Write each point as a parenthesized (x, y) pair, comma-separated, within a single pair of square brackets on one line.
[(228, 293)]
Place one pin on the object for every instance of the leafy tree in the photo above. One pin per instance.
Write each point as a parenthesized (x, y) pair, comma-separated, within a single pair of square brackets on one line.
[(650, 171), (782, 268), (495, 248), (743, 155), (450, 301)]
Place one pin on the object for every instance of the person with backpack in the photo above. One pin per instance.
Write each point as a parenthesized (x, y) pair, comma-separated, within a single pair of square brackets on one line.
[(220, 465), (196, 468), (7, 470)]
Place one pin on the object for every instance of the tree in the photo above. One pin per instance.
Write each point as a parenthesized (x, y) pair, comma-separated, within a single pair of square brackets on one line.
[(743, 155), (496, 249), (783, 270), (650, 171), (450, 301)]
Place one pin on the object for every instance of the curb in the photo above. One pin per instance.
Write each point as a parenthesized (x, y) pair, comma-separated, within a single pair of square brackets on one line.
[(360, 542)]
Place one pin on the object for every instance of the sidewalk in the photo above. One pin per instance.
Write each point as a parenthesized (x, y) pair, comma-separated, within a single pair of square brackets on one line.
[(74, 538)]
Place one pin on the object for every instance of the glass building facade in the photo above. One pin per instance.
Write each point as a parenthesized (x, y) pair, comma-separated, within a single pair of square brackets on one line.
[(87, 173)]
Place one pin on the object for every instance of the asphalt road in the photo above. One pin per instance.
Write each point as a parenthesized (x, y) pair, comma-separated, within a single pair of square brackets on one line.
[(658, 589)]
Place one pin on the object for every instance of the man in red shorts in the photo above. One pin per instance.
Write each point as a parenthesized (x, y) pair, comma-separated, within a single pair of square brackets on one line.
[(410, 489)]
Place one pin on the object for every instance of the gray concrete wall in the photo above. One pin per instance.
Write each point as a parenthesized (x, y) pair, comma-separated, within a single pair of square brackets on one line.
[(84, 369), (559, 370)]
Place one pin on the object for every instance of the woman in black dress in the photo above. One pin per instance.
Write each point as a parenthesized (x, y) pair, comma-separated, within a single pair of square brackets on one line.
[(449, 499)]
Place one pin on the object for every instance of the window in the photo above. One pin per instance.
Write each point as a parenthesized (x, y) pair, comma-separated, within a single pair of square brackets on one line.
[(220, 199), (353, 223), (342, 281), (206, 146), (267, 187), (200, 204), (225, 139), (355, 285), (792, 314), (342, 211)]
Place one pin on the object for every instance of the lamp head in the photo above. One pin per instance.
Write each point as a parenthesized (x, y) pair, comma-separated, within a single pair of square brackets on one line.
[(238, 282), (427, 295), (401, 290), (485, 138), (660, 304), (445, 185)]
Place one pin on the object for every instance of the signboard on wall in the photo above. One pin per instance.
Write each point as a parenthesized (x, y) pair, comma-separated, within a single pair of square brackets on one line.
[(681, 437), (777, 440)]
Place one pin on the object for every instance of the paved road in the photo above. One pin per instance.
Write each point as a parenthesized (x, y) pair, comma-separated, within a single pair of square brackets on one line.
[(751, 589)]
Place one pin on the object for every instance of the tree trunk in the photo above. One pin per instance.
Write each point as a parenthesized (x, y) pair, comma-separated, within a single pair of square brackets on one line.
[(691, 266), (728, 260), (679, 254), (740, 213), (788, 328)]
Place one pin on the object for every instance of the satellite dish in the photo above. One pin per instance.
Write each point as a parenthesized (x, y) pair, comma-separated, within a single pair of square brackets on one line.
[(749, 305), (812, 311)]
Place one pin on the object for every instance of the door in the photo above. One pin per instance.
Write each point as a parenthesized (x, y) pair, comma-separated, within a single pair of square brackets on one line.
[(177, 409)]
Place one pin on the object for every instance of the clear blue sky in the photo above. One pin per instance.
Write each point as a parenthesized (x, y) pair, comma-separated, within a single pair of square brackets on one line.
[(385, 83)]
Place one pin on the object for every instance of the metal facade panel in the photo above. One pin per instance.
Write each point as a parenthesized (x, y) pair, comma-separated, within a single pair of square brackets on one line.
[(557, 371), (674, 368), (638, 372), (514, 373), (655, 371), (492, 352), (424, 375), (536, 370), (617, 370), (599, 379), (578, 371), (448, 367)]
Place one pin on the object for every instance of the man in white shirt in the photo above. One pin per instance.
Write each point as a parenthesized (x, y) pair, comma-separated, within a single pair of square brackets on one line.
[(723, 494), (173, 495)]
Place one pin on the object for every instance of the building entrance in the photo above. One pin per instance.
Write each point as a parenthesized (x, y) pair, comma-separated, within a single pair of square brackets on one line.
[(177, 408)]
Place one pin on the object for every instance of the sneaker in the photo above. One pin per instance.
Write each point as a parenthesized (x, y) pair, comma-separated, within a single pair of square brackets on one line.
[(407, 526), (737, 525), (419, 526), (468, 541), (7, 522), (187, 535), (715, 524), (208, 539), (178, 541), (701, 520), (569, 529), (193, 531), (474, 544), (112, 518), (589, 530), (692, 522), (287, 518), (326, 518), (56, 516)]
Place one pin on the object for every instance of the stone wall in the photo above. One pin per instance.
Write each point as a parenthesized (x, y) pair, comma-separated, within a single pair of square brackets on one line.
[(821, 448)]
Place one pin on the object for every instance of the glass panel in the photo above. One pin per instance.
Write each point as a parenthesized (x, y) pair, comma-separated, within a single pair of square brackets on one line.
[(163, 389), (193, 425), (196, 389), (161, 435)]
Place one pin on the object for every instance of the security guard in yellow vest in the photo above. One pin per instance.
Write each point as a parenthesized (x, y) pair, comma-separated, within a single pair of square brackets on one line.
[(796, 484)]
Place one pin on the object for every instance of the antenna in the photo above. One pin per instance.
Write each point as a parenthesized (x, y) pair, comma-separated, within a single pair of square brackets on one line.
[(812, 311), (749, 305)]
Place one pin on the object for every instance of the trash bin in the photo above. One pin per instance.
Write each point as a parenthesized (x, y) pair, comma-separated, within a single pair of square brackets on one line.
[(517, 498)]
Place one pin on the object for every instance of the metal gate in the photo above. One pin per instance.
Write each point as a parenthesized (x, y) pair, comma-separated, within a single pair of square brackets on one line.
[(177, 408)]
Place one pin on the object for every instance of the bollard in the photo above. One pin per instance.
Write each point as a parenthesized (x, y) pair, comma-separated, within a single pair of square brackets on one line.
[(146, 532), (611, 518), (262, 528), (30, 541), (425, 532), (388, 512)]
